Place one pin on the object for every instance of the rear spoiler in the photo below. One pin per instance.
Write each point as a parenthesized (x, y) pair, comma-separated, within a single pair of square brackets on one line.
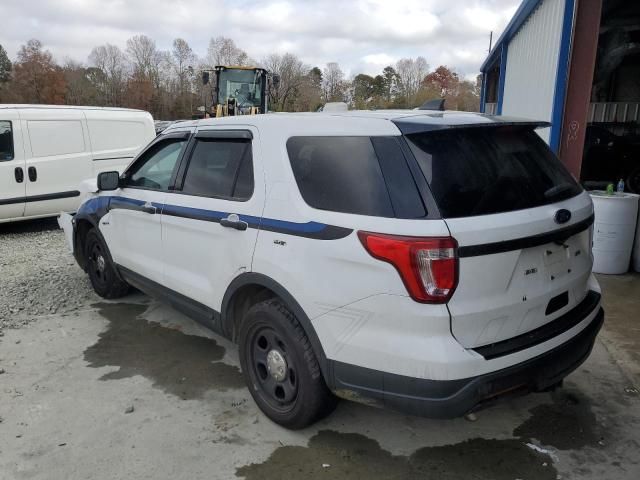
[(443, 121)]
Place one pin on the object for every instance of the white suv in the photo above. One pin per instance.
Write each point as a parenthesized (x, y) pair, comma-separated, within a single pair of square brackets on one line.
[(426, 262)]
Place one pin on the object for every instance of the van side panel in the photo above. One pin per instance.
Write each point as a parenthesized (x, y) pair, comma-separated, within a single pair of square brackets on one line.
[(57, 159), (117, 137)]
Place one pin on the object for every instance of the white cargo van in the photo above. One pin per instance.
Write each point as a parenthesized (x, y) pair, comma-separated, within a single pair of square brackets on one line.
[(46, 151)]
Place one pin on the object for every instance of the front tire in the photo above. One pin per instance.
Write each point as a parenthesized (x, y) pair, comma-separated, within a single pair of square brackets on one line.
[(280, 367), (102, 271)]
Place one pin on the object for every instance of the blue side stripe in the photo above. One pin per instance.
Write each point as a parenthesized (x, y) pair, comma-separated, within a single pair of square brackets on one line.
[(307, 227)]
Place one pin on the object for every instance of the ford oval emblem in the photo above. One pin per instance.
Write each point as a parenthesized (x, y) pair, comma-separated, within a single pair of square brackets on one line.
[(562, 216)]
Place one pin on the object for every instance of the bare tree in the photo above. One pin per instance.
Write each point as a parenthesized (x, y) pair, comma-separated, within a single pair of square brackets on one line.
[(111, 62), (333, 84), (142, 54), (292, 74), (410, 73), (183, 58), (223, 51)]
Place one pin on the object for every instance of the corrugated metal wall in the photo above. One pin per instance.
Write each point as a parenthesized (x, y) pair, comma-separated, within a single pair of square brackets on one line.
[(532, 63)]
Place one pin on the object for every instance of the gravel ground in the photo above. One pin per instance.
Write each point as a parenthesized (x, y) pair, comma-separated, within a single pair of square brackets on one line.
[(38, 275)]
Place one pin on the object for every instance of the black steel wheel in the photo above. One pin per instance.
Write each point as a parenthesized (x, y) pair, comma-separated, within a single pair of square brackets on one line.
[(281, 368), (277, 377), (102, 272)]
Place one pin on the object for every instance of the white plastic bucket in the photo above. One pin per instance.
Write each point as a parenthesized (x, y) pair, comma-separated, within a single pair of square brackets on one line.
[(614, 230)]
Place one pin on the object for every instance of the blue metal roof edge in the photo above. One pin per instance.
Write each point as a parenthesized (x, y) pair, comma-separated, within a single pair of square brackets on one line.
[(562, 76), (521, 15)]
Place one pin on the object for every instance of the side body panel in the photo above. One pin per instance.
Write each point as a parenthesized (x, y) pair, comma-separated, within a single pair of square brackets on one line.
[(117, 137), (58, 159), (337, 283), (201, 257), (133, 233)]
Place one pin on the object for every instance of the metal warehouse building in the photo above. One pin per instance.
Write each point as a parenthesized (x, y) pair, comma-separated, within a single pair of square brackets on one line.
[(576, 64)]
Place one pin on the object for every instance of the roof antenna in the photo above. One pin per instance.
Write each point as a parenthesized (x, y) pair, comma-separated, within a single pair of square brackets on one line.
[(490, 40)]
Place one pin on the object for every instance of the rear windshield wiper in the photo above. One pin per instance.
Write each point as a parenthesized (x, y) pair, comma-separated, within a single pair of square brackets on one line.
[(558, 190)]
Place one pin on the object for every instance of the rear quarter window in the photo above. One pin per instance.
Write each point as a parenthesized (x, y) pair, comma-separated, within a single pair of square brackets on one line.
[(487, 170), (361, 175)]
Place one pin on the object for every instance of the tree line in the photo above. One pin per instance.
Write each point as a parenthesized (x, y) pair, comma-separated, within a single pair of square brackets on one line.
[(168, 83)]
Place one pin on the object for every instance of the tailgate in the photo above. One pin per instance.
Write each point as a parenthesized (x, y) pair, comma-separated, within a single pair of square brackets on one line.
[(522, 224), (519, 271)]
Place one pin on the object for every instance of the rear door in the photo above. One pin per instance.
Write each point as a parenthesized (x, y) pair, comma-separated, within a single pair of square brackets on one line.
[(58, 159), (12, 166), (210, 220), (522, 225)]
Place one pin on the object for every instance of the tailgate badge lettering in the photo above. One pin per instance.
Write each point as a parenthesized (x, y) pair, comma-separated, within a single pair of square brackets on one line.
[(530, 271), (562, 216)]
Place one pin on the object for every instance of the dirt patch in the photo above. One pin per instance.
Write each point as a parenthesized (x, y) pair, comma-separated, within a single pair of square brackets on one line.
[(332, 454), (566, 424), (183, 365)]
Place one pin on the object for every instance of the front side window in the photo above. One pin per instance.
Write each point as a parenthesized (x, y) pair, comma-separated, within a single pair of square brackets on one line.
[(6, 141), (155, 169), (220, 168), (487, 170)]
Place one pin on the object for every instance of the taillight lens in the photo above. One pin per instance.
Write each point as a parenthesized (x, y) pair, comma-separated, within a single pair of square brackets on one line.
[(428, 266)]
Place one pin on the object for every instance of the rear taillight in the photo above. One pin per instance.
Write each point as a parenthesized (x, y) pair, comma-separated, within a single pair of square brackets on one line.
[(428, 266)]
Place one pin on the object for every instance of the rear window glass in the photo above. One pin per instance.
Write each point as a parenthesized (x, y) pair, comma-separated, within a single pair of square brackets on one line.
[(361, 175), (481, 171)]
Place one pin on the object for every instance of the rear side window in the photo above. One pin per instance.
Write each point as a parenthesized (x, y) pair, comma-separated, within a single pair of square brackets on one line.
[(220, 168), (481, 171), (6, 141), (361, 175)]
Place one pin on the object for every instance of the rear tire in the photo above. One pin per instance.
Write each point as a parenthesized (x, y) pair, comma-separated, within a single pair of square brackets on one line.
[(280, 367), (102, 271)]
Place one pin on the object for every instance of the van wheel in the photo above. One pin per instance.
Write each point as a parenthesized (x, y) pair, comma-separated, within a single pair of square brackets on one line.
[(280, 367), (102, 271)]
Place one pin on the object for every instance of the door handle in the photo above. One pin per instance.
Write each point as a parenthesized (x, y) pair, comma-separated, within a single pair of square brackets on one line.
[(149, 208), (19, 174), (33, 174), (233, 221)]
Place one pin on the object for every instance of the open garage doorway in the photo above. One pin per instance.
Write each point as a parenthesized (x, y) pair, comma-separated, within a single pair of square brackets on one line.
[(612, 140)]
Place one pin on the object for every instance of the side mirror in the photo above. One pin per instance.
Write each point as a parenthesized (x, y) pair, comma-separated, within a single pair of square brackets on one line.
[(108, 180), (275, 80)]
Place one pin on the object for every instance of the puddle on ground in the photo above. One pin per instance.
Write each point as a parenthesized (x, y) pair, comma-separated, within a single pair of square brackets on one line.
[(183, 365), (566, 424), (354, 456)]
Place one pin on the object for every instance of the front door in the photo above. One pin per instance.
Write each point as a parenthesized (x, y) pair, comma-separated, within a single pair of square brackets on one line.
[(210, 220), (132, 226), (12, 166)]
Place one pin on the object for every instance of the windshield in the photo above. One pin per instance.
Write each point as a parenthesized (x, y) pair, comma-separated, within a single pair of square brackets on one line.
[(245, 86), (480, 171)]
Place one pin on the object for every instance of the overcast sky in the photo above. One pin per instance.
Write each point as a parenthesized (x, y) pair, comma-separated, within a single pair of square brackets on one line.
[(361, 35)]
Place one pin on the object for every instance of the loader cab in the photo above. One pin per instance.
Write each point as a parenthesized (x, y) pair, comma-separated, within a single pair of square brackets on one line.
[(240, 91)]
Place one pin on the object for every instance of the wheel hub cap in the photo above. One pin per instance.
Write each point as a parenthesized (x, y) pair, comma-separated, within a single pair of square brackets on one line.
[(100, 263), (276, 365)]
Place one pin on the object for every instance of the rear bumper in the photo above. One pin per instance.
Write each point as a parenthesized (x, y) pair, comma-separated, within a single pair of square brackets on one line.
[(453, 398)]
